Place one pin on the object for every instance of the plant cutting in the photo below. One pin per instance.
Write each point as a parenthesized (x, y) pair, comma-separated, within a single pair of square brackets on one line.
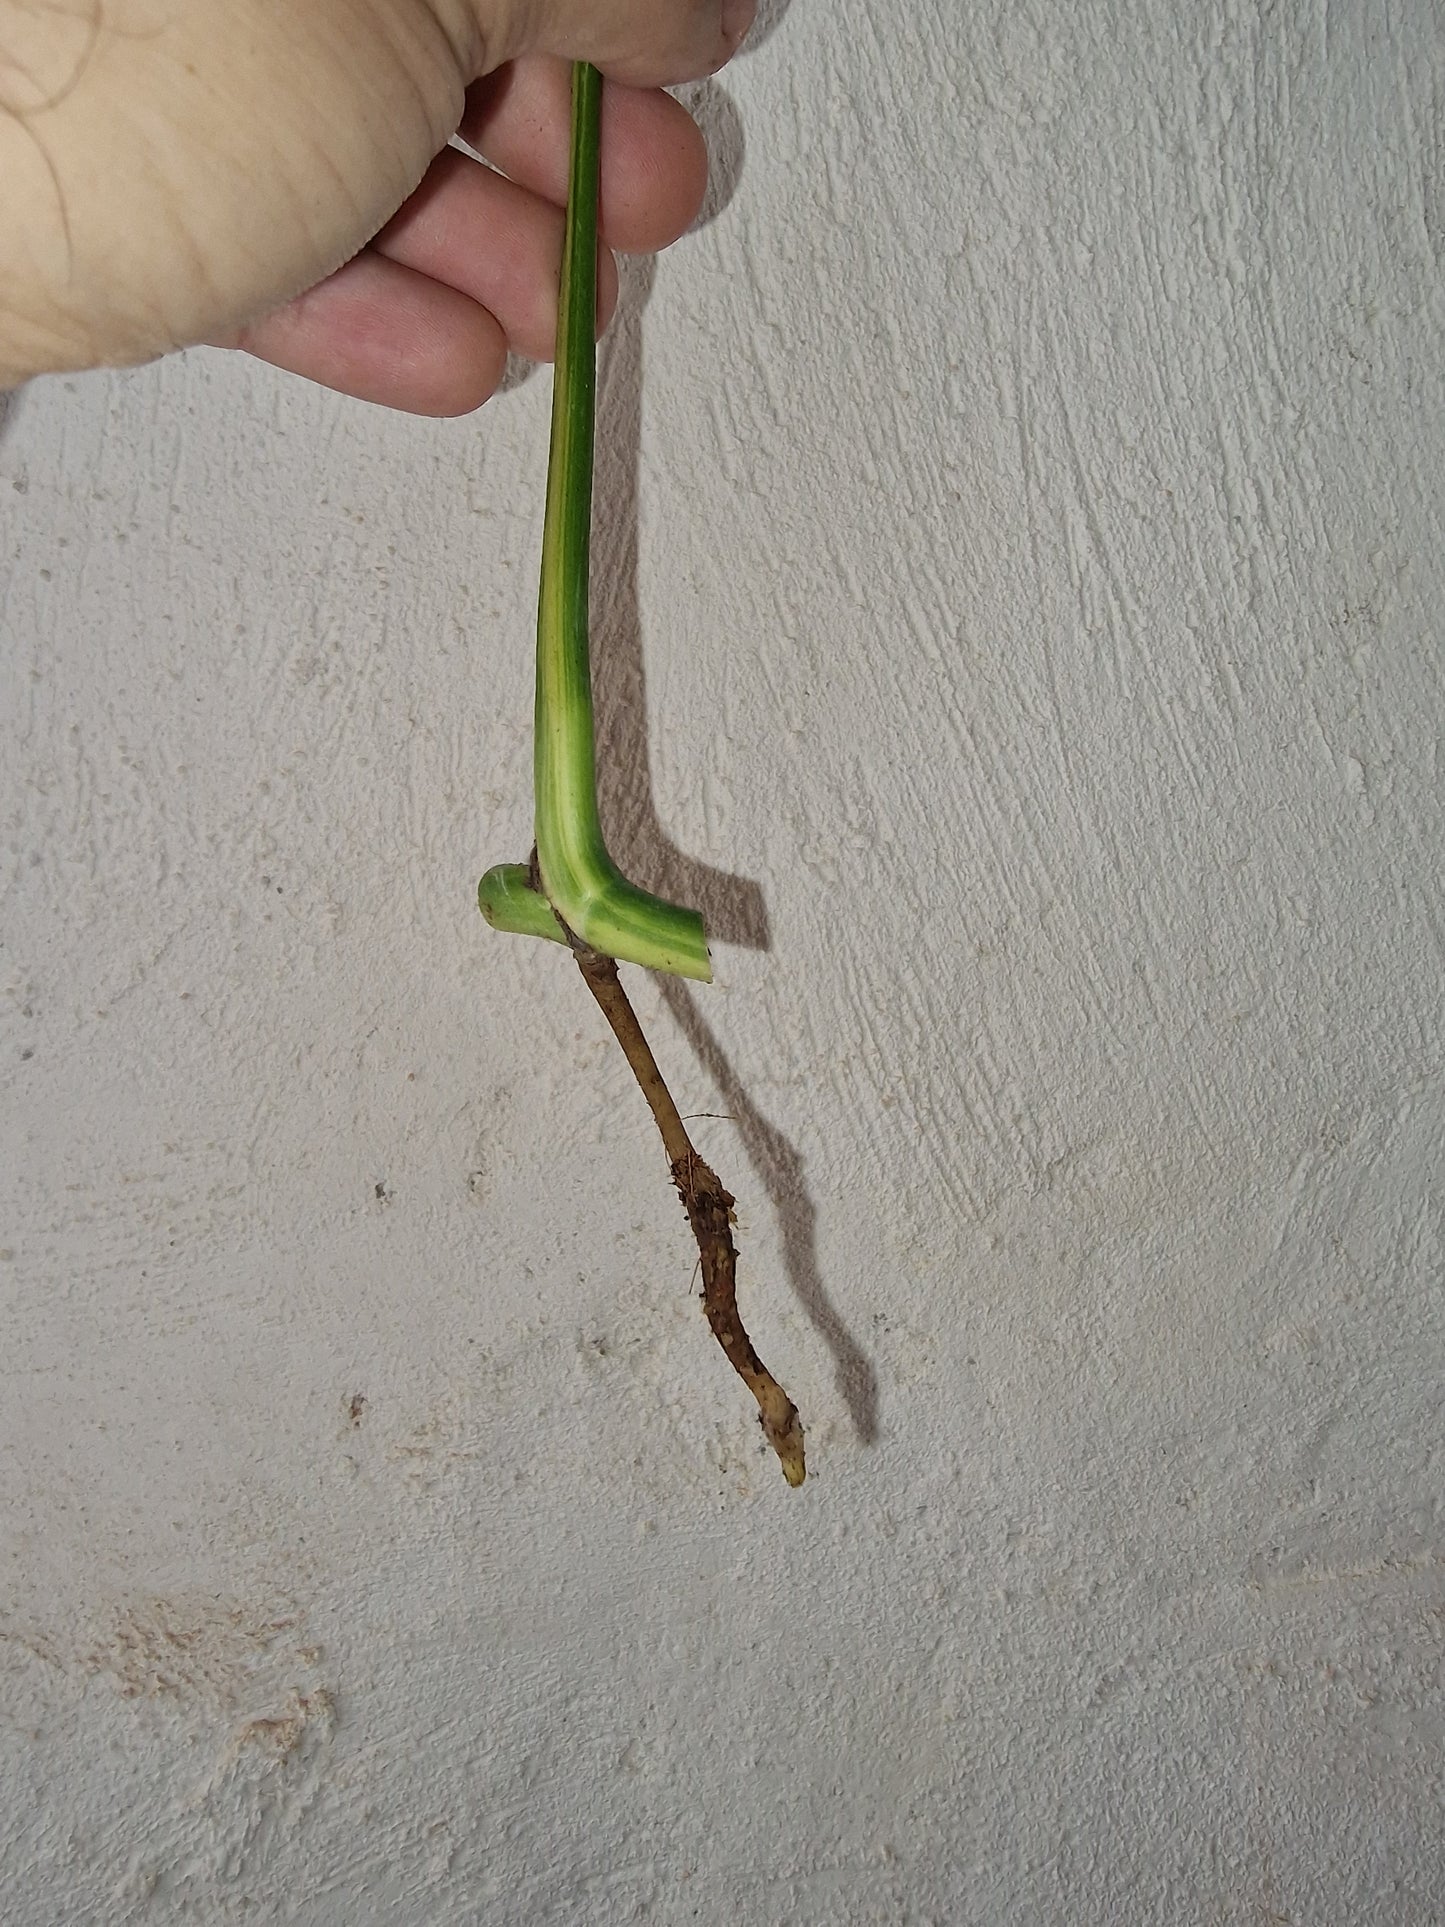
[(570, 891)]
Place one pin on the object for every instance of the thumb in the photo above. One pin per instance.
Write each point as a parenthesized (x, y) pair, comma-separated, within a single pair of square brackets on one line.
[(645, 43)]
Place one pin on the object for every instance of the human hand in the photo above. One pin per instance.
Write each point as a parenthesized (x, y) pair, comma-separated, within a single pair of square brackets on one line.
[(275, 175)]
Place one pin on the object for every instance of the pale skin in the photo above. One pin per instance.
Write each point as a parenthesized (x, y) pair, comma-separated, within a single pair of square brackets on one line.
[(275, 176)]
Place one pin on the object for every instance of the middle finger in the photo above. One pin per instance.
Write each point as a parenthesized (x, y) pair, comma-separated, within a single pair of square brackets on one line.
[(495, 241)]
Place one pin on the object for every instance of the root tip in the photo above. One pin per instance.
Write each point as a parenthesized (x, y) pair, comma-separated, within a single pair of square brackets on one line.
[(787, 1441)]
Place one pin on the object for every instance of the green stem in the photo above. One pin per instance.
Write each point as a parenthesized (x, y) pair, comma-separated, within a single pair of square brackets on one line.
[(580, 882)]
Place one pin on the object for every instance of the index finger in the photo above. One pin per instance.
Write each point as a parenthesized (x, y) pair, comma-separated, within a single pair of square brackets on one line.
[(654, 163)]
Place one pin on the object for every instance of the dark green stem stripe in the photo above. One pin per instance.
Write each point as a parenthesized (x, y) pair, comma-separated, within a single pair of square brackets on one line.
[(582, 883)]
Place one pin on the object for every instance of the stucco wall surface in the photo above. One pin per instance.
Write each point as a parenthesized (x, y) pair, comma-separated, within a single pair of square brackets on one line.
[(1021, 566)]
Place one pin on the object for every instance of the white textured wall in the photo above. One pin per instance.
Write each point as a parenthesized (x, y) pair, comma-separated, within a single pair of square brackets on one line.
[(1021, 599)]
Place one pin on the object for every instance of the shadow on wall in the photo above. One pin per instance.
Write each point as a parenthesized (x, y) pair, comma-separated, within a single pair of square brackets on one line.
[(778, 1166), (9, 411), (769, 18), (733, 906), (721, 128)]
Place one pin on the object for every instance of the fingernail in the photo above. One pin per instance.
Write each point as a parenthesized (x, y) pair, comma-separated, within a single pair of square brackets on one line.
[(737, 17)]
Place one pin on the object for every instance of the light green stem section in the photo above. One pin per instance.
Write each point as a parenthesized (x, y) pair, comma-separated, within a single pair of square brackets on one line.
[(582, 885)]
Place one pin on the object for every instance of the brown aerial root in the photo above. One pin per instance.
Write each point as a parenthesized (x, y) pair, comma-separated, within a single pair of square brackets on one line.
[(709, 1211)]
